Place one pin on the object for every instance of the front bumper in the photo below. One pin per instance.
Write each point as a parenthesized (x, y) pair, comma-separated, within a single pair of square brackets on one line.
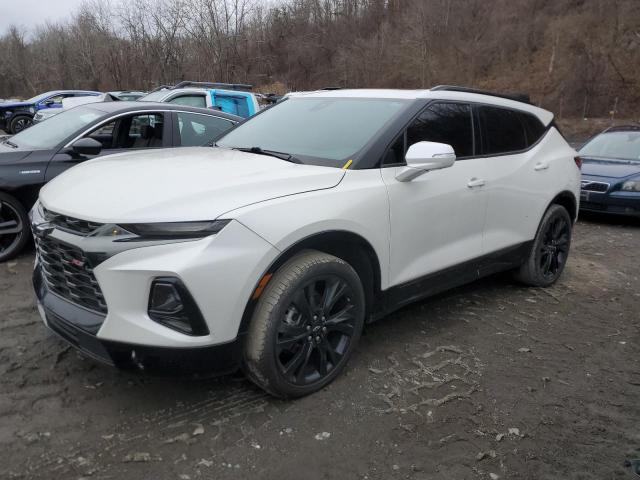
[(79, 327), (615, 203), (220, 273)]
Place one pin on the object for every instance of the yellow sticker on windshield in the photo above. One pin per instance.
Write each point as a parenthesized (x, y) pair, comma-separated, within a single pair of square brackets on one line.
[(347, 165)]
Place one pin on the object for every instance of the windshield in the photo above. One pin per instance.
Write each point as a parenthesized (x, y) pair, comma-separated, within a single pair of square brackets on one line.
[(49, 134), (620, 145), (153, 96), (319, 131)]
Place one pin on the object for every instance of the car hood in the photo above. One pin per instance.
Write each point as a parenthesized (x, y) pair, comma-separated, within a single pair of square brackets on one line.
[(14, 104), (602, 167), (9, 154), (181, 184)]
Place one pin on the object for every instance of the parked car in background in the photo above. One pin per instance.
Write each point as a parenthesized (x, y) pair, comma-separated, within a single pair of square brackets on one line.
[(226, 97), (611, 172), (128, 95), (16, 116), (71, 102), (34, 156), (327, 210)]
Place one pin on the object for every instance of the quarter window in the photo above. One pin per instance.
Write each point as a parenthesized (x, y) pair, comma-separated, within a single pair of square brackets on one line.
[(396, 152), (503, 132), (533, 127), (198, 130), (448, 123)]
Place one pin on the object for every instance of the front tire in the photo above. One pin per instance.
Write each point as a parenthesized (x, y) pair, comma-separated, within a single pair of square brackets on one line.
[(14, 227), (305, 326), (19, 123), (550, 250)]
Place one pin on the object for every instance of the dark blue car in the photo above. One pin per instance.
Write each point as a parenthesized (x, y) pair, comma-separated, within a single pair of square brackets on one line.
[(611, 172), (16, 116)]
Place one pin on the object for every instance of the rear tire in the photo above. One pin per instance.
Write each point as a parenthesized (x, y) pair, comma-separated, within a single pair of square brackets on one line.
[(550, 250), (14, 227), (19, 123), (305, 326)]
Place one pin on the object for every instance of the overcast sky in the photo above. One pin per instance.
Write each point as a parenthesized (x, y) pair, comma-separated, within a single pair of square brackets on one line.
[(29, 13)]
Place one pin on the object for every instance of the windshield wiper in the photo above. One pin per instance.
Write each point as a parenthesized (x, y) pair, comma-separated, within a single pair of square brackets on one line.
[(270, 153), (11, 144)]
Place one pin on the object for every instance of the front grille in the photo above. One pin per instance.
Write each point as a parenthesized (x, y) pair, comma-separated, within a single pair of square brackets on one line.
[(594, 186), (70, 224), (68, 273)]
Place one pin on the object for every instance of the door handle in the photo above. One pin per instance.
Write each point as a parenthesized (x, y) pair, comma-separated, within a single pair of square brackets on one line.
[(541, 166), (475, 182)]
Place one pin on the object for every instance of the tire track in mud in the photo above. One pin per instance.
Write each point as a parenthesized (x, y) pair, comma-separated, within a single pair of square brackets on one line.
[(224, 408)]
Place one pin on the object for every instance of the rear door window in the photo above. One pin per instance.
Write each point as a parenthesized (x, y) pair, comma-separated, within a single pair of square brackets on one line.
[(449, 123), (502, 131), (196, 130)]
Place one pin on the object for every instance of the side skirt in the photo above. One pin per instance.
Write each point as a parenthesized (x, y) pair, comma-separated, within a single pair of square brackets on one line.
[(399, 296)]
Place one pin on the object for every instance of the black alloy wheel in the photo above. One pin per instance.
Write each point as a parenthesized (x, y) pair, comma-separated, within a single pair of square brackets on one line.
[(555, 247), (548, 255), (316, 330), (13, 223), (20, 123), (305, 326)]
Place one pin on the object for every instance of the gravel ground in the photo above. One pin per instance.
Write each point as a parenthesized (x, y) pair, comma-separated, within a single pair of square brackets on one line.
[(492, 380)]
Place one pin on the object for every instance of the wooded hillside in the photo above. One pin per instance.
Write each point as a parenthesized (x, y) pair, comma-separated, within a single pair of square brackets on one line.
[(575, 57)]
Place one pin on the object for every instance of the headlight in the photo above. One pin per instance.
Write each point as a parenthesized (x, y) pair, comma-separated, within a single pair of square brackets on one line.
[(175, 230), (631, 186)]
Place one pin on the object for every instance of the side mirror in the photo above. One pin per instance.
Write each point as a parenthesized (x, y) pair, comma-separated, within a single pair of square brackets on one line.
[(86, 146), (424, 156), (48, 103)]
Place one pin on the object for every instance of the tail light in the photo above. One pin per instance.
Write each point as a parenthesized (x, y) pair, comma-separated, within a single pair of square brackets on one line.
[(578, 161)]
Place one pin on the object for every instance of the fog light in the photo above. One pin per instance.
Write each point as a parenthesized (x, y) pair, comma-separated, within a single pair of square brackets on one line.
[(171, 305), (165, 299)]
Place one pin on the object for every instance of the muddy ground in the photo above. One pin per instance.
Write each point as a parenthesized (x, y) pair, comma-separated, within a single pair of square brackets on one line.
[(490, 380)]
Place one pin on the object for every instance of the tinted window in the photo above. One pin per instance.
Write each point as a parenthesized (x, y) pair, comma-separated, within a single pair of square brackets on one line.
[(395, 154), (448, 123), (503, 131), (197, 130), (190, 100), (533, 127)]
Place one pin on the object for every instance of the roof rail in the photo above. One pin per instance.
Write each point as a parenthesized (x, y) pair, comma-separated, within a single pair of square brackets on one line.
[(228, 86), (331, 88), (518, 97)]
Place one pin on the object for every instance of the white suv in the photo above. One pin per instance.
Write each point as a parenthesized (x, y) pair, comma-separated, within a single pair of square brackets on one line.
[(327, 211)]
